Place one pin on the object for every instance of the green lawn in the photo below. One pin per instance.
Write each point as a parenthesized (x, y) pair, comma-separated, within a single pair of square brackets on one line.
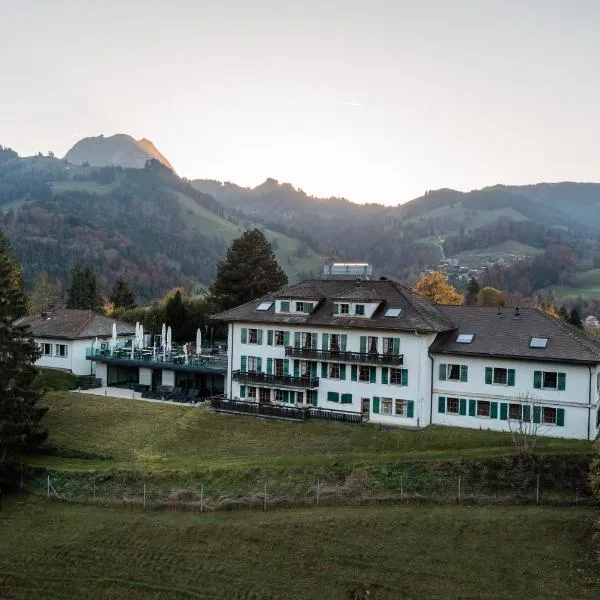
[(144, 435), (585, 284), (52, 550)]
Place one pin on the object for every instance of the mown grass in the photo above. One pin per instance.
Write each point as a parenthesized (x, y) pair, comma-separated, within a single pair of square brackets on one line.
[(54, 379), (140, 434), (51, 550)]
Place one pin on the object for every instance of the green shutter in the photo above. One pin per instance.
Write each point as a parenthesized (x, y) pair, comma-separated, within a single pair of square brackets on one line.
[(526, 413), (342, 372), (242, 391), (325, 341), (243, 362), (324, 370), (537, 380), (308, 307), (372, 374), (286, 366), (259, 336), (464, 372), (410, 409), (269, 337), (462, 406), (562, 381), (333, 397), (442, 372), (286, 395), (354, 372), (560, 417), (404, 376), (396, 346), (346, 398), (441, 405), (376, 405), (363, 344), (244, 336), (296, 368), (259, 364), (343, 342), (537, 414), (336, 308), (315, 399), (511, 377), (292, 397), (503, 411), (313, 370), (472, 408), (493, 410), (286, 338), (285, 306), (489, 374), (269, 366), (384, 375), (296, 339)]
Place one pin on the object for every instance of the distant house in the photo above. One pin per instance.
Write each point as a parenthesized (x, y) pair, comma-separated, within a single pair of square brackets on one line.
[(591, 321), (63, 336)]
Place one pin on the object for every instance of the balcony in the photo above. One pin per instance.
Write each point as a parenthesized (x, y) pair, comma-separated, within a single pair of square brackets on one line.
[(365, 358), (257, 378)]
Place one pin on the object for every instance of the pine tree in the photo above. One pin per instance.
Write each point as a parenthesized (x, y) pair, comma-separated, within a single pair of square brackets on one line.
[(19, 418), (44, 296), (85, 290), (176, 315), (122, 295), (472, 292), (249, 271), (575, 318)]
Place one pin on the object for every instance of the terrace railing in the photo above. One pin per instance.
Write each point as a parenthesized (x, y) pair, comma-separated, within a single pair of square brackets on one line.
[(267, 379), (367, 358), (172, 360)]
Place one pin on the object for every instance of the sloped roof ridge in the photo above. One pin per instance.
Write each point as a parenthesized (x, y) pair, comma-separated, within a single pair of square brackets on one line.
[(577, 334), (91, 316)]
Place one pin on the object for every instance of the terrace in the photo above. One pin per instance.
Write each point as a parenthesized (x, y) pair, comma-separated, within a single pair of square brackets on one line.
[(367, 358), (280, 380)]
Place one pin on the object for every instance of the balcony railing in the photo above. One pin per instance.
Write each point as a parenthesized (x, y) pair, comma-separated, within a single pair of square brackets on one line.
[(284, 380), (367, 358), (150, 358)]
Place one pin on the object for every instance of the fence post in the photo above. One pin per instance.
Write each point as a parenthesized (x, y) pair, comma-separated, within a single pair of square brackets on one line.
[(94, 487), (48, 486), (401, 489), (459, 488), (537, 489), (265, 503), (318, 490), (144, 495), (202, 498)]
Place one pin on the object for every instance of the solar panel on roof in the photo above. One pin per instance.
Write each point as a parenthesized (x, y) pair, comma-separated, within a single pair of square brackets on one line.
[(464, 338), (536, 342), (264, 306), (393, 312)]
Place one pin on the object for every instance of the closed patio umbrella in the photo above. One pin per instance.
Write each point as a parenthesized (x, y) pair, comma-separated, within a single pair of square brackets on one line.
[(141, 344), (198, 342), (163, 337), (169, 338)]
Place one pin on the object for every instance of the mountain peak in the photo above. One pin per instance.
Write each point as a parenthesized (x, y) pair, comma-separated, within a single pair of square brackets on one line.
[(120, 149)]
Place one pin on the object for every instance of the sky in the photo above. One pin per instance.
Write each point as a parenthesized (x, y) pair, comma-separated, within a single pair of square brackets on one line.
[(376, 101)]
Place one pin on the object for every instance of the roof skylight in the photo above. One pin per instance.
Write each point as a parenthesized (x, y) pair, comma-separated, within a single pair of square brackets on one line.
[(264, 306), (393, 312), (464, 338), (536, 342)]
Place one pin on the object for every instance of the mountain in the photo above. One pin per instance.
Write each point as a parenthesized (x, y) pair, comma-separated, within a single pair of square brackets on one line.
[(117, 150)]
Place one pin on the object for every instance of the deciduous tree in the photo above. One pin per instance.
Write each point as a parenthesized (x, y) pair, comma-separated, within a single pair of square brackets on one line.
[(44, 296), (489, 296), (435, 286), (249, 271)]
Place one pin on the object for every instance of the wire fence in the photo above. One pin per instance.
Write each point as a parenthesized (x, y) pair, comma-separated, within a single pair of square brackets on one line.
[(266, 495)]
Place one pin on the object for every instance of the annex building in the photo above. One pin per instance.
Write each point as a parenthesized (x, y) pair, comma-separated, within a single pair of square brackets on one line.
[(372, 347)]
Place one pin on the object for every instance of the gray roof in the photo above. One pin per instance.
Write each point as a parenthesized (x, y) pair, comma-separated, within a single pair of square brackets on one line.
[(73, 324), (505, 335), (418, 313)]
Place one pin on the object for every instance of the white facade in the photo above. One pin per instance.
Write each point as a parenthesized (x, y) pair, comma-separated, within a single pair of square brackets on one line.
[(68, 355), (569, 412)]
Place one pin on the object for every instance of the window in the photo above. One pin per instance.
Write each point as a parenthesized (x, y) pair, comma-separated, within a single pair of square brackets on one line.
[(279, 338), (388, 345), (400, 407), (536, 342), (61, 350), (453, 406), (253, 336), (264, 306), (264, 395), (393, 312), (363, 373), (299, 306), (515, 412), (334, 370), (500, 376), (372, 344), (279, 366), (278, 395), (252, 363), (397, 376), (386, 406), (285, 306), (344, 309), (483, 408), (299, 397), (464, 338), (334, 342), (47, 349), (548, 415), (251, 392), (550, 380), (453, 372), (307, 339), (304, 368), (359, 310)]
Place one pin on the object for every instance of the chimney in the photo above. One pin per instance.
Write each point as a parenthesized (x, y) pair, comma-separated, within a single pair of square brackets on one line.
[(499, 313), (517, 314)]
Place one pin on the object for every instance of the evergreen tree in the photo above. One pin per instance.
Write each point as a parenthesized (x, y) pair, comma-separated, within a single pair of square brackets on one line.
[(85, 290), (122, 295), (249, 271), (176, 315), (44, 296), (472, 292), (19, 417), (575, 318)]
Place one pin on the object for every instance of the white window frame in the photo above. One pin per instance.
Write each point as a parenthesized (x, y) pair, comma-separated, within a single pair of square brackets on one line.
[(361, 369), (517, 406), (253, 333), (483, 403), (404, 407), (344, 308), (543, 409), (394, 371), (299, 306), (387, 407), (48, 347), (370, 340), (453, 412), (359, 310), (251, 392), (278, 337), (388, 345), (306, 339), (494, 382), (449, 368), (334, 367), (252, 364), (543, 382)]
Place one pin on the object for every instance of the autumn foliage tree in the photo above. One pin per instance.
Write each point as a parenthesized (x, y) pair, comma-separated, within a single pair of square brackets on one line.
[(435, 286), (489, 296)]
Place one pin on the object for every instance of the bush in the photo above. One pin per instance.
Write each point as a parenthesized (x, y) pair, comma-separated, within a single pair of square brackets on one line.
[(55, 380)]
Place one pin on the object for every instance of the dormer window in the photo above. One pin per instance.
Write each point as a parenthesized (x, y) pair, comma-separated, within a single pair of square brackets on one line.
[(285, 306), (359, 310), (303, 307), (299, 306), (344, 309)]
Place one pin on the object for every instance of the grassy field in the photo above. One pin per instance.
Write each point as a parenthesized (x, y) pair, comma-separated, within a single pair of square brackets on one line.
[(138, 434), (585, 284), (52, 550)]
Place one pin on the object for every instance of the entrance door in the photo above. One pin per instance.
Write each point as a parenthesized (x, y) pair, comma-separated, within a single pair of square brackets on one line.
[(366, 407)]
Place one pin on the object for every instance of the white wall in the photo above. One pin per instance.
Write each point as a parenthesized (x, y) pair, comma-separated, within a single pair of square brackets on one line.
[(575, 399), (168, 377), (145, 376), (102, 372)]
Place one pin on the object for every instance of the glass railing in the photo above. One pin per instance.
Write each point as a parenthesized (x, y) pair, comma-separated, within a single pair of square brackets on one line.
[(172, 359)]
